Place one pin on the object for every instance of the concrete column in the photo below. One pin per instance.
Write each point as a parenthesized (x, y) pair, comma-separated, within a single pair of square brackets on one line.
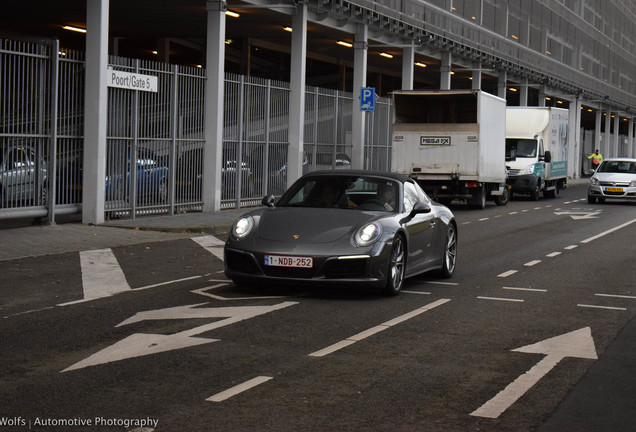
[(95, 111), (358, 127), (631, 152), (445, 71), (476, 84), (523, 92), (607, 137), (408, 67), (214, 88), (297, 94), (502, 84), (597, 129), (542, 96), (574, 139), (163, 50), (615, 137)]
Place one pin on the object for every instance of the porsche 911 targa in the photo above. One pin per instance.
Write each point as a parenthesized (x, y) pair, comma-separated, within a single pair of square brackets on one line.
[(344, 228)]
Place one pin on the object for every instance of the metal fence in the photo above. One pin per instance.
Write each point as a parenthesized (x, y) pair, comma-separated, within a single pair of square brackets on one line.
[(155, 140)]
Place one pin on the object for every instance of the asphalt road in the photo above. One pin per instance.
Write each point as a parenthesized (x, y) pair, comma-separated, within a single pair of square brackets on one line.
[(531, 333)]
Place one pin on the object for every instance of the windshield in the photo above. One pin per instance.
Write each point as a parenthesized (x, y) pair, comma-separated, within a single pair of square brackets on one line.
[(525, 148), (344, 192), (624, 167)]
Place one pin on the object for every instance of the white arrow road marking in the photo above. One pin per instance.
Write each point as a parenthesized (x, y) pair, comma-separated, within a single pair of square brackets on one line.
[(101, 274), (211, 244), (578, 343), (141, 344), (220, 397), (576, 215)]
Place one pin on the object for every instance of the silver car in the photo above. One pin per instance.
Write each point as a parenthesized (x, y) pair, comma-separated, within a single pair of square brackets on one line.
[(23, 178), (614, 179)]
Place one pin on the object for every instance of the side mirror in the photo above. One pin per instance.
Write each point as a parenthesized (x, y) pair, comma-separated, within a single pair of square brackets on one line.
[(420, 208), (548, 157), (269, 201)]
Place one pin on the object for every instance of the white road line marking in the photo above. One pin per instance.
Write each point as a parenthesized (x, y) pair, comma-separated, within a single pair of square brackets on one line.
[(501, 299), (101, 274), (465, 223), (442, 283), (526, 289), (167, 283), (512, 213), (508, 273), (532, 263), (483, 219), (553, 254), (570, 247), (373, 330), (211, 244), (220, 397), (417, 292), (537, 208), (609, 231), (616, 296), (601, 307)]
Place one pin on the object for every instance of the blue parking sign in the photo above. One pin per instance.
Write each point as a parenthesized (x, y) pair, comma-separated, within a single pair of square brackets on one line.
[(367, 99)]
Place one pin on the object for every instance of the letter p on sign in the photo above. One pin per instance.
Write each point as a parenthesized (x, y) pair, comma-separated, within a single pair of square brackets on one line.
[(367, 99)]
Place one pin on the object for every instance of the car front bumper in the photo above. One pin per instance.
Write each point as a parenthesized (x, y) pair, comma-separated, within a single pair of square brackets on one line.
[(361, 269), (611, 192)]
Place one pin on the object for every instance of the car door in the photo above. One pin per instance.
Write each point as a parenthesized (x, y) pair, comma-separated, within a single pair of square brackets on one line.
[(421, 230), (17, 178)]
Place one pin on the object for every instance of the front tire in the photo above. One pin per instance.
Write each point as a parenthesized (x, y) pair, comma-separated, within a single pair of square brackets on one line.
[(504, 198), (450, 253), (397, 267)]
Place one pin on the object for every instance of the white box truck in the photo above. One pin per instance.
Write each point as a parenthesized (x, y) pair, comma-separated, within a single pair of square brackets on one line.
[(536, 150), (452, 142)]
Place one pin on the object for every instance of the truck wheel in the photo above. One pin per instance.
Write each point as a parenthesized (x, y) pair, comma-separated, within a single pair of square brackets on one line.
[(534, 195), (478, 201), (503, 199)]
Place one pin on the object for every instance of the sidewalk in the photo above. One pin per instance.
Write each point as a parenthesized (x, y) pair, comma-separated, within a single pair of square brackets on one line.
[(21, 239)]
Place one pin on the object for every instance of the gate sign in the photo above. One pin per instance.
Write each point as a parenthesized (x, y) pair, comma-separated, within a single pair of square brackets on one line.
[(132, 81), (367, 99)]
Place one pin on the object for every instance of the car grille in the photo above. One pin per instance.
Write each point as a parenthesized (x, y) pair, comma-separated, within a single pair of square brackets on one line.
[(241, 262), (513, 172), (289, 272), (346, 268)]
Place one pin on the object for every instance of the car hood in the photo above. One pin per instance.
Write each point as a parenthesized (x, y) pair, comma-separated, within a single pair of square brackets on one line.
[(311, 225), (615, 177)]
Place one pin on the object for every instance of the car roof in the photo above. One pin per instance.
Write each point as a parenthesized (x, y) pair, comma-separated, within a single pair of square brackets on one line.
[(338, 173), (622, 159)]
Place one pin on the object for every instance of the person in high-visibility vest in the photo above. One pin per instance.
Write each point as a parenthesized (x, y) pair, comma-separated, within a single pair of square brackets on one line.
[(597, 158)]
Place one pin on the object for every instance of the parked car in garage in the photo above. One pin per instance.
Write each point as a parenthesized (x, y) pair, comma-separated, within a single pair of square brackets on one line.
[(23, 178), (151, 173)]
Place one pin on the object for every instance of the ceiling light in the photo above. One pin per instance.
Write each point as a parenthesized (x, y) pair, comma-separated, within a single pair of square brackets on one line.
[(512, 89), (232, 14), (345, 44), (420, 64), (289, 29), (387, 55), (75, 29), (155, 52)]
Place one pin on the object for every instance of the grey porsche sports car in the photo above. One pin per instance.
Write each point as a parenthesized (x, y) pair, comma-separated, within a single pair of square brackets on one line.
[(344, 228)]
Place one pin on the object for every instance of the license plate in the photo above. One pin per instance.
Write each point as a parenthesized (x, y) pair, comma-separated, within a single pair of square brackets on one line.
[(288, 261), (613, 189)]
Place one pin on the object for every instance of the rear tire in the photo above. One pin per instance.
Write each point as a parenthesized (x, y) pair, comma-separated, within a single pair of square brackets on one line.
[(450, 253), (396, 268)]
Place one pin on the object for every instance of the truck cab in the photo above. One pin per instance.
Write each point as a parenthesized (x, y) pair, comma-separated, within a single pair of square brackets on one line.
[(536, 150)]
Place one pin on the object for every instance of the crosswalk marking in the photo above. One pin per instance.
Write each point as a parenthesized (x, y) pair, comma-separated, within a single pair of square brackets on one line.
[(211, 244)]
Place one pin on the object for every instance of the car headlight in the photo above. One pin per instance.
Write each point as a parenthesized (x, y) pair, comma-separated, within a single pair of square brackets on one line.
[(594, 181), (368, 234), (633, 183), (527, 170), (242, 227)]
